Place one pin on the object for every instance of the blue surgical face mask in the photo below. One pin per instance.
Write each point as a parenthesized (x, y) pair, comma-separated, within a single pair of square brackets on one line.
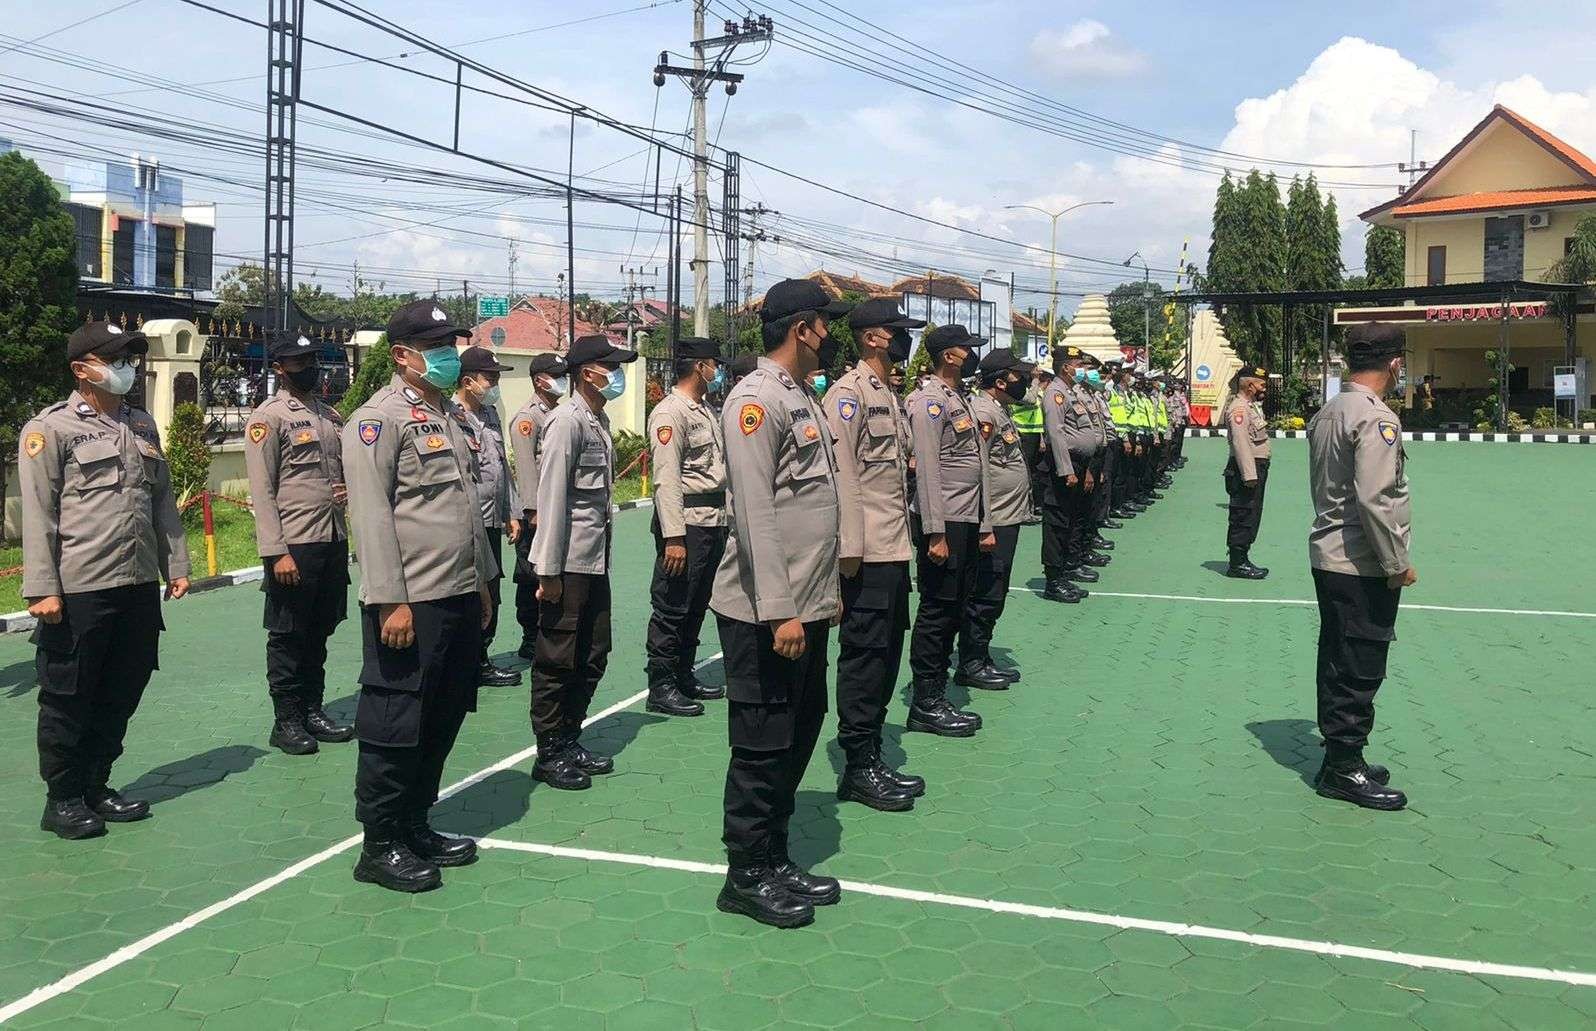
[(1094, 378), (491, 396), (615, 385), (1080, 375), (718, 381), (443, 366), (820, 383)]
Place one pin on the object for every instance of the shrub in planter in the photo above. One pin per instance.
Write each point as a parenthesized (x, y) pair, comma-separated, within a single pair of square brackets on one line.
[(1543, 418)]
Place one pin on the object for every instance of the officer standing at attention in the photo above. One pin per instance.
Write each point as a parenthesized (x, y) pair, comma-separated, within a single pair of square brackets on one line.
[(549, 384), (100, 530), (1101, 499), (1358, 548), (1005, 381), (776, 597), (425, 567), (477, 412), (688, 458), (872, 453), (295, 462), (571, 556), (954, 528), (1074, 439), (1247, 472), (1121, 441)]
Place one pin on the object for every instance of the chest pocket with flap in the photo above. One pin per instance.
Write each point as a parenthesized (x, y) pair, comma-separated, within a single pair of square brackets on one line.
[(99, 465)]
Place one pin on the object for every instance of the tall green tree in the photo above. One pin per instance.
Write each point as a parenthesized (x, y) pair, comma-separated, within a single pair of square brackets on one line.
[(1304, 264), (376, 369), (1384, 255), (38, 298)]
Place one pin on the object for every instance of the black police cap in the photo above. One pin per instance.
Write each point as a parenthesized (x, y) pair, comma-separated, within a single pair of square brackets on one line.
[(547, 363), (1001, 360), (422, 322), (1253, 372), (791, 296), (696, 347), (105, 340), (480, 359), (290, 343), (944, 337), (1375, 340), (880, 312), (597, 347)]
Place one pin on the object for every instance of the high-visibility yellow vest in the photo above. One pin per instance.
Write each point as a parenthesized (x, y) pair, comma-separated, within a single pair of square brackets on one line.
[(1027, 418), (1119, 410), (1141, 419), (1162, 414)]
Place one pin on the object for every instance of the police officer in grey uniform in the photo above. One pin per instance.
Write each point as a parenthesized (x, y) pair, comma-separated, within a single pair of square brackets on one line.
[(571, 556), (100, 530), (550, 383), (688, 459), (294, 457), (1359, 551), (872, 453), (477, 411), (425, 567), (1074, 436), (1098, 377), (953, 528), (1247, 471), (1005, 380), (777, 595)]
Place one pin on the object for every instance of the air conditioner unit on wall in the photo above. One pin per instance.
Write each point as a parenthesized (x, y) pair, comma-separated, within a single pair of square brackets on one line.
[(1539, 220)]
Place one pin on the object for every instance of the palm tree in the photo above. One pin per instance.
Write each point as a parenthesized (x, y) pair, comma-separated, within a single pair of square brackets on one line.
[(1579, 264)]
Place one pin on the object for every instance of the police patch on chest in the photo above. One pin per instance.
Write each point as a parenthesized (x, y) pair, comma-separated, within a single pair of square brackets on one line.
[(435, 442), (304, 437)]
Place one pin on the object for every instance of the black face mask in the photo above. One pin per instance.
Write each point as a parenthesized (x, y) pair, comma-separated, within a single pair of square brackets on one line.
[(827, 352), (898, 348), (970, 366), (1015, 389), (305, 379)]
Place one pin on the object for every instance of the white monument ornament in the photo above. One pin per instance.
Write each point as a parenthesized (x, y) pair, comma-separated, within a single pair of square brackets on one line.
[(1093, 331)]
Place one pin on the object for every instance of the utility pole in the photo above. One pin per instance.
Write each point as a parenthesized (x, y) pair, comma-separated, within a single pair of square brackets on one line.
[(637, 291), (698, 78), (513, 259), (754, 235), (1413, 166), (1147, 305)]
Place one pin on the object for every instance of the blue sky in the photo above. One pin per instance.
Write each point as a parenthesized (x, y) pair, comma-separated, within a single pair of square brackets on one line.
[(1320, 85)]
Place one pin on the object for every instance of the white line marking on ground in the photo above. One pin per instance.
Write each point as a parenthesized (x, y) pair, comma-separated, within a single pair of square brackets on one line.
[(1178, 930), (1309, 601), (135, 949)]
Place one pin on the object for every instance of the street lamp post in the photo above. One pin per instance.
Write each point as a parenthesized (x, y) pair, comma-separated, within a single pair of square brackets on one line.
[(1052, 301), (1147, 298)]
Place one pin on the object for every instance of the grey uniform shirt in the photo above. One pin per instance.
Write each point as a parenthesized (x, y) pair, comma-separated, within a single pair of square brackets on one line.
[(688, 455), (1008, 478), (872, 454), (781, 554), (524, 429), (1358, 477), (576, 474), (412, 505), (947, 451), (293, 453), (485, 437), (1073, 427), (1249, 436), (97, 504)]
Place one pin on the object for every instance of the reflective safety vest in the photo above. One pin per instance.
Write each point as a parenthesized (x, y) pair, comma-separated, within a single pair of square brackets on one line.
[(1027, 418), (1141, 417), (1119, 410), (1161, 420)]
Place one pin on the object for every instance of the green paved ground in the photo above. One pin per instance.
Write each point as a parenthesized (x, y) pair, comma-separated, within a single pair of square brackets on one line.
[(1152, 764)]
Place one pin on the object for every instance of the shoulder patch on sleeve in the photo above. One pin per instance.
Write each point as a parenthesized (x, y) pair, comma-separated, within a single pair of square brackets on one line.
[(257, 432), (370, 430), (32, 444), (1389, 432), (750, 418), (986, 430), (524, 427), (1058, 397), (1239, 418), (847, 408), (663, 434), (933, 409)]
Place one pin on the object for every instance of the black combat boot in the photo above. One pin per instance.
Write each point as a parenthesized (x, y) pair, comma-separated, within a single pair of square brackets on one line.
[(812, 888), (932, 713), (688, 684), (908, 782), (436, 848), (1009, 673), (1241, 567), (323, 727), (751, 891), (866, 783), (1060, 589), (556, 767), (387, 861), (490, 675), (1101, 543), (1082, 574), (1112, 522), (288, 731), (665, 698), (110, 805), (1350, 779), (1095, 559), (979, 675), (590, 763), (71, 819)]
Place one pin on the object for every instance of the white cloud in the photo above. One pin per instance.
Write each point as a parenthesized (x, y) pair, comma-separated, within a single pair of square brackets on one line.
[(1084, 50)]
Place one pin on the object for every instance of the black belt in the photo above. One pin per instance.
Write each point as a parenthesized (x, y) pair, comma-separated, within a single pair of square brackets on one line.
[(709, 499)]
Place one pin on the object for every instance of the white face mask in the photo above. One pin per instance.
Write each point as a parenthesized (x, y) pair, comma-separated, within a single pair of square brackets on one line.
[(117, 377), (561, 386), (490, 396)]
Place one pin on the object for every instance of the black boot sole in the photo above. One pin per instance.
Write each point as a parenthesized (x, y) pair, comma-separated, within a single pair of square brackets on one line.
[(1236, 574), (367, 875), (1061, 599), (463, 859), (287, 749), (918, 727), (133, 817), (335, 739), (878, 803), (73, 833), (737, 907), (664, 711), (558, 785), (981, 685), (1360, 800)]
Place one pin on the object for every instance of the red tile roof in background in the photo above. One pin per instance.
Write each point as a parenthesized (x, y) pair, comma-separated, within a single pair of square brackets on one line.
[(1498, 201), (534, 324)]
